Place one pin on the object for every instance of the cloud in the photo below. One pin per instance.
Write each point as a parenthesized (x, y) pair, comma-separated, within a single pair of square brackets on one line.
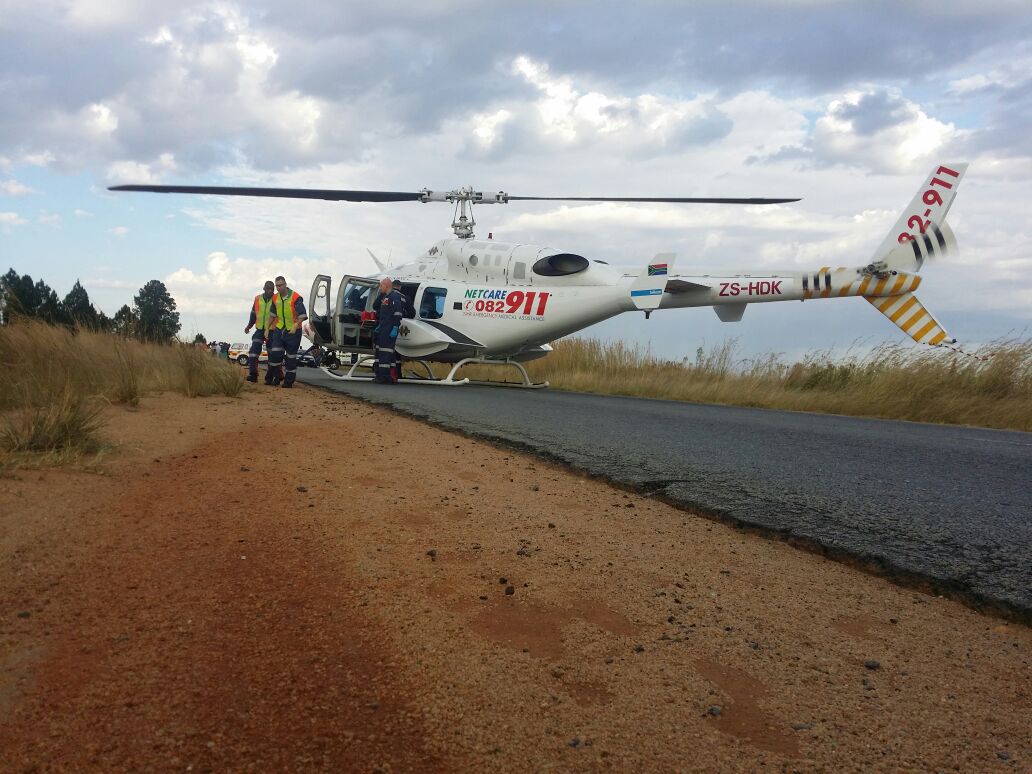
[(43, 158), (1003, 95), (14, 188), (564, 114), (141, 173), (105, 283), (102, 14), (560, 115), (118, 231), (11, 219), (192, 88), (228, 285), (876, 129), (709, 44), (285, 85), (48, 219), (1007, 70)]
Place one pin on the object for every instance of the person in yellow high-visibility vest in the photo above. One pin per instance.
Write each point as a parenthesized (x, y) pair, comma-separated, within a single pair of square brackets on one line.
[(263, 320), (286, 338)]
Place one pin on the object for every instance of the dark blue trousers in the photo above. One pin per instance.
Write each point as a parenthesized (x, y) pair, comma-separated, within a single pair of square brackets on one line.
[(291, 343), (385, 366), (275, 346), (257, 339)]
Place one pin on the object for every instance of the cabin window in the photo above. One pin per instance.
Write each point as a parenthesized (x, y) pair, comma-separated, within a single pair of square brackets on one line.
[(519, 270), (356, 296), (408, 293), (432, 305)]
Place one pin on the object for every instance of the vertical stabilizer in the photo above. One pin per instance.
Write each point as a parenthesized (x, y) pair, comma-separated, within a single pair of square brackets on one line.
[(926, 211), (910, 256), (647, 288)]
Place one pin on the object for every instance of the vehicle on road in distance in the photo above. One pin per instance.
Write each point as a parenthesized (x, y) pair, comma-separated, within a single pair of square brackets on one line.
[(238, 352)]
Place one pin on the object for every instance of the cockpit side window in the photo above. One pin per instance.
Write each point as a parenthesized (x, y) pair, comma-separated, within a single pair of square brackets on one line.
[(432, 305)]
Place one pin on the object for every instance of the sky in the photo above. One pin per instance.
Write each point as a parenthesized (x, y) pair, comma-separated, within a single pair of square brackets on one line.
[(846, 104)]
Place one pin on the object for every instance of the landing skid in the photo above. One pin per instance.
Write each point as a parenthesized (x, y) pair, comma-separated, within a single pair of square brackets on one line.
[(449, 380), (525, 384)]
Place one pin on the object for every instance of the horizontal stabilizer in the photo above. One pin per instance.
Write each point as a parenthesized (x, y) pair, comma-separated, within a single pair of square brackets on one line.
[(647, 288), (684, 286), (910, 316)]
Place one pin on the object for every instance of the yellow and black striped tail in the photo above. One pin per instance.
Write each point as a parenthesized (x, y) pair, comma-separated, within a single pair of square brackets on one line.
[(910, 316)]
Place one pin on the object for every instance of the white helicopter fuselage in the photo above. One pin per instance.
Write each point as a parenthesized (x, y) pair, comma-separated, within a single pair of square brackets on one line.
[(494, 297), (483, 298), (475, 300)]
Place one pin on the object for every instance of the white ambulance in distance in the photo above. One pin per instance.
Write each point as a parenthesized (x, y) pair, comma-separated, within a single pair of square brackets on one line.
[(238, 352)]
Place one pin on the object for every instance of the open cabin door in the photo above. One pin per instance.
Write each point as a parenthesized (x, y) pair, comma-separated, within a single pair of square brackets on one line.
[(320, 313), (354, 318)]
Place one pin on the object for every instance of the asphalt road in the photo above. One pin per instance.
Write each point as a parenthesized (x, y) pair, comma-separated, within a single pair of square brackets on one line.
[(948, 504)]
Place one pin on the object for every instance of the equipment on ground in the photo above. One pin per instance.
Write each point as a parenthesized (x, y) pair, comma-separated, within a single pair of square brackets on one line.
[(480, 301)]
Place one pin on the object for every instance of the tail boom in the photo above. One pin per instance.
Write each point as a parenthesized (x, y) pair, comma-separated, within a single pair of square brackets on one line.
[(888, 282), (841, 282)]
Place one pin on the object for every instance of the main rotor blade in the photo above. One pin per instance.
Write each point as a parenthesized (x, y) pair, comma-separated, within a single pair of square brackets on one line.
[(673, 200), (287, 193), (332, 194)]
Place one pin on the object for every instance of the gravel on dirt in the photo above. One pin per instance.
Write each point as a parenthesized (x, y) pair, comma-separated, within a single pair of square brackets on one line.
[(294, 580)]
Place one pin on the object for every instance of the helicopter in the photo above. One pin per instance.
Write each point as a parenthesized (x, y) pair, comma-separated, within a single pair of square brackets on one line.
[(485, 302)]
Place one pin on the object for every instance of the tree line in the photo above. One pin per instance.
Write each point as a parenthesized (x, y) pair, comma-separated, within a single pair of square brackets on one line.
[(152, 317)]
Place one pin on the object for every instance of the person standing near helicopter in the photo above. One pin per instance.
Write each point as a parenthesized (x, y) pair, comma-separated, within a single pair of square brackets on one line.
[(263, 320), (390, 307), (286, 337)]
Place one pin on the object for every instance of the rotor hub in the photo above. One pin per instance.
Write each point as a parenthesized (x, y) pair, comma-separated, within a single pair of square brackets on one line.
[(464, 194)]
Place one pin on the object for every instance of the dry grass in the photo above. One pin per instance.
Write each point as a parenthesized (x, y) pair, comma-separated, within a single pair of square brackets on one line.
[(202, 374), (127, 380), (53, 383), (69, 423), (926, 384)]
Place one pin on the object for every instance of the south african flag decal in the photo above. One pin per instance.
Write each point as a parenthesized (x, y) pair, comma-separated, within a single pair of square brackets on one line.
[(657, 268)]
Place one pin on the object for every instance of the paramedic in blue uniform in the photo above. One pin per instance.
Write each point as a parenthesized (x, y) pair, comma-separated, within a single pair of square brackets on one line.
[(263, 320), (396, 285), (290, 313), (390, 306)]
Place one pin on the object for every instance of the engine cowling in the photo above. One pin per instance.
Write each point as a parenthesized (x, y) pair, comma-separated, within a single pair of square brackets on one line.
[(560, 265)]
